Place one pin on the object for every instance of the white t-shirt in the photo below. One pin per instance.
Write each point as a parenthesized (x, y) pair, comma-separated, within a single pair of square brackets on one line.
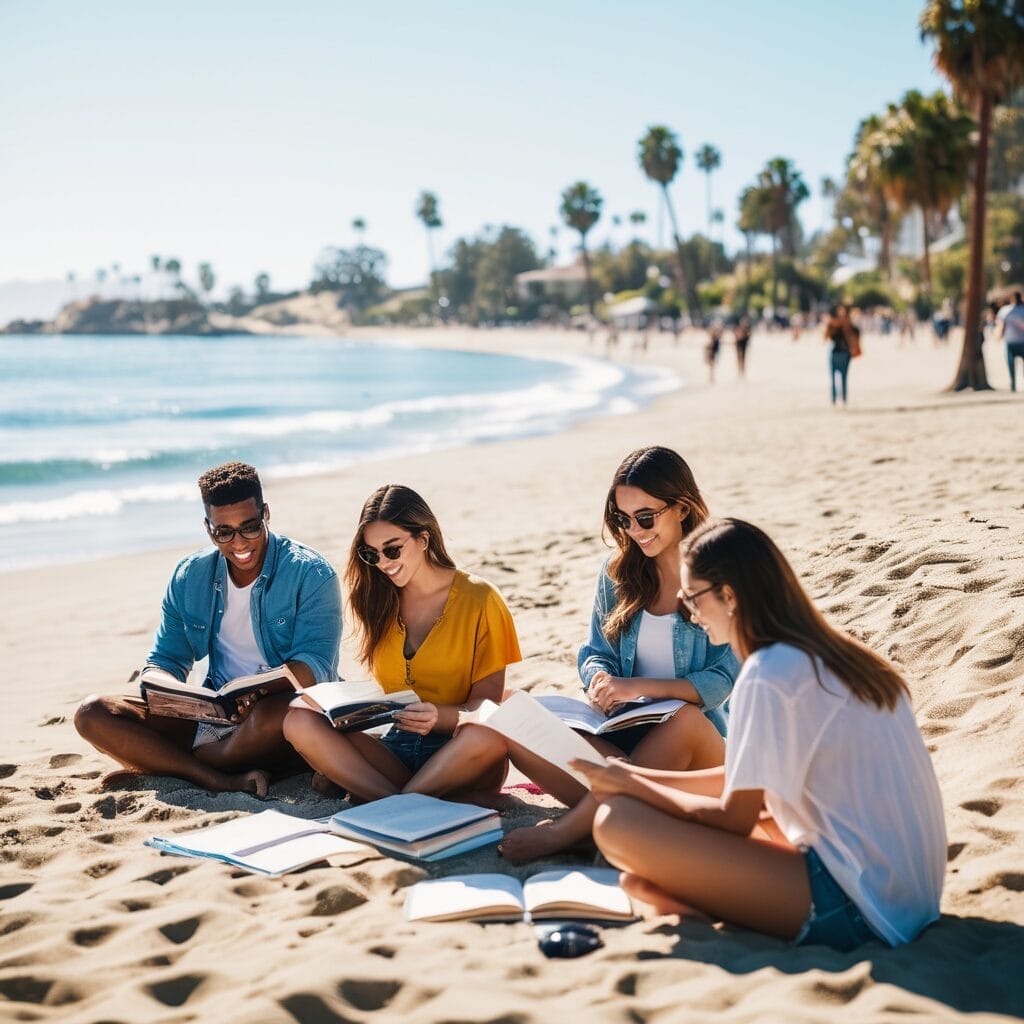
[(851, 781), (654, 647), (238, 654), (1012, 319)]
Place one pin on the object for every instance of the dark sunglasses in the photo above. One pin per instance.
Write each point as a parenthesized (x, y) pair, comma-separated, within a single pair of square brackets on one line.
[(644, 520), (371, 556), (226, 534)]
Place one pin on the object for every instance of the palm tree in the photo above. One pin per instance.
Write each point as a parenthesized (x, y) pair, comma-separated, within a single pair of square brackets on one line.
[(660, 157), (782, 189), (979, 47), (864, 196), (581, 208), (926, 150), (709, 160), (173, 266), (359, 227), (637, 218), (428, 210), (752, 221), (207, 279)]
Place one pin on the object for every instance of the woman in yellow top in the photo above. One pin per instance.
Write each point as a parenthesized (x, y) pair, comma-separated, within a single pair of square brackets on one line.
[(425, 626)]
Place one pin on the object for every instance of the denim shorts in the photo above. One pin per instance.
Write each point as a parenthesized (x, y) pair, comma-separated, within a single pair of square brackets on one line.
[(412, 749), (834, 919)]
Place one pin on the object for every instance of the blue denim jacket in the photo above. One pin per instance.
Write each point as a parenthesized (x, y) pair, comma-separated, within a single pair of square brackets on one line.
[(711, 668), (295, 607)]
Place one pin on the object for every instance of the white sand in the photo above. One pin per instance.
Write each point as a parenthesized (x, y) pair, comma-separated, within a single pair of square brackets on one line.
[(905, 516)]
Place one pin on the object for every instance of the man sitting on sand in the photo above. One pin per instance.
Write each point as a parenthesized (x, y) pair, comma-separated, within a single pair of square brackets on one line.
[(256, 601)]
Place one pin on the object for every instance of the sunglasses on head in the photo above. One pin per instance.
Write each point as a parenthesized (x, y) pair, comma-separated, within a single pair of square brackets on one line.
[(644, 520), (392, 552)]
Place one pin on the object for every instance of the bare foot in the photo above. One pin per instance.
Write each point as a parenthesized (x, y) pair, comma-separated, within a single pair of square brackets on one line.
[(256, 782), (540, 840), (654, 897), (326, 787)]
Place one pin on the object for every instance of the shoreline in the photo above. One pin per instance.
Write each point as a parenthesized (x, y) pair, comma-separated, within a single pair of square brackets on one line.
[(648, 382), (903, 517)]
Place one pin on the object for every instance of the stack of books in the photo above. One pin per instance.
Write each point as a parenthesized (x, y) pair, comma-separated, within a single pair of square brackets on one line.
[(419, 827)]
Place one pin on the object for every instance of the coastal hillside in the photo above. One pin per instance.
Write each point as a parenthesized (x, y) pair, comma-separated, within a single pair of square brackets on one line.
[(303, 313)]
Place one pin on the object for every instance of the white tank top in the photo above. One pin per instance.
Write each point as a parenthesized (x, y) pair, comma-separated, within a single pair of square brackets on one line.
[(654, 648), (238, 654)]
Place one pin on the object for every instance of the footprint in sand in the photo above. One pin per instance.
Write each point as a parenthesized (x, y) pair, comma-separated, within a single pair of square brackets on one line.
[(368, 994), (987, 806), (25, 989), (7, 770), (63, 760), (337, 899), (181, 931), (8, 892), (92, 936), (176, 991)]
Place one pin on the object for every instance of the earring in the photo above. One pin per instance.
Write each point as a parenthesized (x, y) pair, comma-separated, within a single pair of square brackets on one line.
[(730, 613)]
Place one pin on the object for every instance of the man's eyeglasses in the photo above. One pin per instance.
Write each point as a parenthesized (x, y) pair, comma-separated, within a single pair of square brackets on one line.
[(644, 520), (226, 534), (371, 556), (690, 600)]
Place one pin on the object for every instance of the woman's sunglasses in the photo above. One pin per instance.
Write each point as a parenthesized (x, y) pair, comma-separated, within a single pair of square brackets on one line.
[(644, 520), (392, 552)]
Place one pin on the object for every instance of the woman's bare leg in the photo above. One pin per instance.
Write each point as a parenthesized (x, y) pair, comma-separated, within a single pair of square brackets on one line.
[(750, 882), (358, 763), (686, 741), (475, 757)]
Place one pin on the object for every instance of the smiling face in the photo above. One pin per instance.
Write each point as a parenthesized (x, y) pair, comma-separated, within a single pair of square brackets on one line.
[(712, 608), (381, 535), (244, 555), (666, 530)]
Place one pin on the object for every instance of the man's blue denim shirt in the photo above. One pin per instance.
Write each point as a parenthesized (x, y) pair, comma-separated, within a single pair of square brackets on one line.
[(295, 607), (711, 668)]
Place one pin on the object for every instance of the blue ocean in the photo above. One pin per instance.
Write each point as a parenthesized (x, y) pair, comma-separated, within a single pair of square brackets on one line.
[(102, 438)]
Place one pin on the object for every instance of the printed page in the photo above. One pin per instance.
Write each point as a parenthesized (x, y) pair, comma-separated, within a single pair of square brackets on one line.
[(592, 892), (465, 896), (577, 714), (525, 720), (281, 678), (297, 852), (328, 696), (243, 835)]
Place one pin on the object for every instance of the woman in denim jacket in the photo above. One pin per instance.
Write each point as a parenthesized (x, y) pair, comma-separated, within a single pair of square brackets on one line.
[(641, 644)]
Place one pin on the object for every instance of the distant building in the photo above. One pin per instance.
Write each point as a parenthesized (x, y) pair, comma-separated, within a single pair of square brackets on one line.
[(566, 283), (634, 313)]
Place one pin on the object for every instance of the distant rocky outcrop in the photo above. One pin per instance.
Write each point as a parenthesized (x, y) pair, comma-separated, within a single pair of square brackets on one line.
[(304, 313)]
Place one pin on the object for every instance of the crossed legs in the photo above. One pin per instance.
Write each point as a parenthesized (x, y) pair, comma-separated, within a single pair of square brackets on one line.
[(123, 729)]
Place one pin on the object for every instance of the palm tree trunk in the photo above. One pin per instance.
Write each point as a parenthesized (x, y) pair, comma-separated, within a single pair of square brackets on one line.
[(970, 373), (711, 246), (885, 253), (685, 279), (586, 269), (926, 259), (775, 271), (750, 271)]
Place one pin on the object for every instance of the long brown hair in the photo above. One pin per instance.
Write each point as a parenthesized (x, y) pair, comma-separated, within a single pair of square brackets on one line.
[(772, 607), (664, 475), (373, 598)]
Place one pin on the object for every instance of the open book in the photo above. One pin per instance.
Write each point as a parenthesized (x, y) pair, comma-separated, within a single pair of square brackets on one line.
[(420, 827), (578, 714), (165, 695), (354, 706), (528, 722), (580, 893), (268, 843)]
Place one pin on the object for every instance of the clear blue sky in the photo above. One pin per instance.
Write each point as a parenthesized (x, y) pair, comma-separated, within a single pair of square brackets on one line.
[(250, 134)]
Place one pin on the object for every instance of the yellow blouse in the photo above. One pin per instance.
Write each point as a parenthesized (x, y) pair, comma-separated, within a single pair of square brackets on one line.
[(474, 637)]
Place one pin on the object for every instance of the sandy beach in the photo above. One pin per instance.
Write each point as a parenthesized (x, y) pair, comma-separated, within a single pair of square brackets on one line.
[(904, 515)]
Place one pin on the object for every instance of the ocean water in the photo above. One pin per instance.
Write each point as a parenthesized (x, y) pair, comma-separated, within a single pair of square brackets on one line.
[(102, 438)]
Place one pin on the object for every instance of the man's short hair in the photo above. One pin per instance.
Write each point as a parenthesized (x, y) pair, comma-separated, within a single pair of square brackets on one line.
[(229, 484)]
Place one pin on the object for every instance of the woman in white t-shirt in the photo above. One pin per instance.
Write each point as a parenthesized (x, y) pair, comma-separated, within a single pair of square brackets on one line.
[(825, 824)]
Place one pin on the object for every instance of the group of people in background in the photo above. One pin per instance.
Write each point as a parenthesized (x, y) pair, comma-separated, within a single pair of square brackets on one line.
[(791, 792)]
